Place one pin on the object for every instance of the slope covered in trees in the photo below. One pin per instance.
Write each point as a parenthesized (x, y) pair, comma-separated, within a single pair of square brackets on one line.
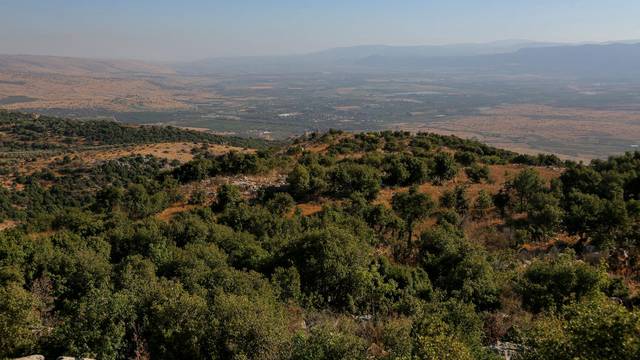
[(379, 245), (24, 131)]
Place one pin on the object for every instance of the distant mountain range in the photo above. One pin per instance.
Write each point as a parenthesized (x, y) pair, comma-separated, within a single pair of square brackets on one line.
[(603, 60), (618, 59), (359, 52), (350, 58), (609, 60)]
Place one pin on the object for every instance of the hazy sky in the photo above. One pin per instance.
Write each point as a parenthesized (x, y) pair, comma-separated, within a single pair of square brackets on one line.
[(191, 29)]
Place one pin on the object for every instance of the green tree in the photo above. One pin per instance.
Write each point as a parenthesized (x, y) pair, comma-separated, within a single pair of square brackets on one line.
[(589, 330), (458, 267), (287, 282), (557, 281), (594, 218), (176, 324), (456, 199), (19, 321), (443, 168), (248, 328), (137, 201), (348, 178), (412, 206), (95, 327), (396, 173), (448, 330), (280, 204), (483, 204), (545, 215), (477, 173), (326, 343), (299, 181), (228, 196), (465, 158), (525, 186), (334, 265), (405, 170)]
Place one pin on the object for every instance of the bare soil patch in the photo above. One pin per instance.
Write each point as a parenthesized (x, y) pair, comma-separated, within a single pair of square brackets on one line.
[(7, 224)]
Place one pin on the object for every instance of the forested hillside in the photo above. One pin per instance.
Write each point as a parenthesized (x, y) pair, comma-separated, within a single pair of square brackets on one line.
[(25, 131), (385, 245)]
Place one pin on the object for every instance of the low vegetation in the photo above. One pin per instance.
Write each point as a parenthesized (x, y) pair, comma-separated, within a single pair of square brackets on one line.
[(420, 247)]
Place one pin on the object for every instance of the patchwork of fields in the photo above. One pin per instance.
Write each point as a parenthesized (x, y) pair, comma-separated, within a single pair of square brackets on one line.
[(575, 119)]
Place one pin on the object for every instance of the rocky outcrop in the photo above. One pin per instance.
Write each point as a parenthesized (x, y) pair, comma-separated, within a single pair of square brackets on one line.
[(40, 357), (506, 350), (32, 357)]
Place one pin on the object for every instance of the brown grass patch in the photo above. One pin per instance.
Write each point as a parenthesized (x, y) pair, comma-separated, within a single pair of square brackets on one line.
[(168, 213), (309, 208), (8, 224), (476, 229), (499, 175), (170, 151)]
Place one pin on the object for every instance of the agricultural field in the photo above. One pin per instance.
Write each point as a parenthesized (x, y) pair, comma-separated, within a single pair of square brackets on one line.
[(577, 119)]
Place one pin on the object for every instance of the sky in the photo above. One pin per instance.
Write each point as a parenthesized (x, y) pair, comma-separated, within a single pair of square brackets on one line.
[(164, 30)]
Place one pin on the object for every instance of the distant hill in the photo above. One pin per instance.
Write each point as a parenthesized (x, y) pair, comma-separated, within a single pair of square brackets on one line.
[(605, 60), (21, 130), (347, 57), (52, 82), (617, 59), (356, 53), (78, 66)]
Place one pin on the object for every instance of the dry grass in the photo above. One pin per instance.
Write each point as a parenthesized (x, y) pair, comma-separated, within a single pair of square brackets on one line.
[(169, 151), (309, 208), (73, 83), (168, 213), (478, 230), (180, 151), (7, 224), (317, 148), (499, 175), (53, 91)]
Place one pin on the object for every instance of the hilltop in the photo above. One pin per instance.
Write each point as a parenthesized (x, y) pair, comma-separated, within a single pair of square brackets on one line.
[(121, 241)]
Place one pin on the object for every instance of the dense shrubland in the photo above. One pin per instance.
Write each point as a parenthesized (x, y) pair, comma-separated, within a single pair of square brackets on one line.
[(28, 132), (90, 270)]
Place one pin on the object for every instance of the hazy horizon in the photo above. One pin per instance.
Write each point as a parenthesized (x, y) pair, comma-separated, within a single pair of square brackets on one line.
[(169, 61), (195, 29)]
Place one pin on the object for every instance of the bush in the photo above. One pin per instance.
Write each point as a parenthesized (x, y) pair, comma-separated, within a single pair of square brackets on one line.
[(557, 281), (458, 267), (477, 173), (590, 330), (348, 178), (334, 265), (228, 196), (444, 168)]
